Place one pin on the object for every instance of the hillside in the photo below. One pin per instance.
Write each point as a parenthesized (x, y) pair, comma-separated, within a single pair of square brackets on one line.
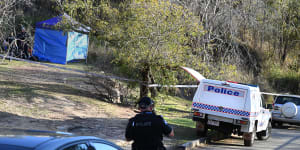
[(37, 97), (33, 96), (236, 41)]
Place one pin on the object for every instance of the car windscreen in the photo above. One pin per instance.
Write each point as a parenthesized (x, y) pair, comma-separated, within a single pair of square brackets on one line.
[(285, 99), (13, 147)]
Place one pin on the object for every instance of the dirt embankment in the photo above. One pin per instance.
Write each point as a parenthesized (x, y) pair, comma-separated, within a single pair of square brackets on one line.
[(38, 97)]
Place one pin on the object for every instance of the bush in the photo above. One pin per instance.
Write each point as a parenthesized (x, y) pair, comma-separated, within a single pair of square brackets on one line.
[(284, 81)]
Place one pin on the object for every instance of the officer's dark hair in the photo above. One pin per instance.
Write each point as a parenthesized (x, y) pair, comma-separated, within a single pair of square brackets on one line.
[(145, 102)]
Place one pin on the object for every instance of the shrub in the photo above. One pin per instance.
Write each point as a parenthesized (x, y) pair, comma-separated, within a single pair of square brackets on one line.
[(284, 80)]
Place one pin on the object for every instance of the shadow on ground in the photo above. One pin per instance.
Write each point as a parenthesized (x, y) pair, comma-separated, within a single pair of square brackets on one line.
[(108, 128)]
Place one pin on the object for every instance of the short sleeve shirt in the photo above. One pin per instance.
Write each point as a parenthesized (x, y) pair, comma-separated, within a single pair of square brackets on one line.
[(147, 129)]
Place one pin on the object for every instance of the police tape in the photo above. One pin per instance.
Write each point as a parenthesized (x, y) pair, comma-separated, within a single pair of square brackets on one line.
[(177, 86), (97, 75), (274, 94), (108, 77)]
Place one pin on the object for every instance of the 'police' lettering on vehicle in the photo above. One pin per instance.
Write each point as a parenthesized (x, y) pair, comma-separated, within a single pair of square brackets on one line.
[(222, 90)]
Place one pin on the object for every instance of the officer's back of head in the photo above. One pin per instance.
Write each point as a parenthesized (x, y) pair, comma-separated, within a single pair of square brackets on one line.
[(146, 104)]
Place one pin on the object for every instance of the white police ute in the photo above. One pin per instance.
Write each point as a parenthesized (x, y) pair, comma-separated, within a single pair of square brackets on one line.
[(231, 108)]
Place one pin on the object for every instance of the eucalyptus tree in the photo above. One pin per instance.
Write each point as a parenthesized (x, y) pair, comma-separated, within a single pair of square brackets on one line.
[(150, 39), (285, 20)]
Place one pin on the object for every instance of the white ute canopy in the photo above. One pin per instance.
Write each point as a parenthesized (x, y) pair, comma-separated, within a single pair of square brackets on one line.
[(230, 99)]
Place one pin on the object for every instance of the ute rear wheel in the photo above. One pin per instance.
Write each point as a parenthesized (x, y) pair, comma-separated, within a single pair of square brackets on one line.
[(249, 137), (201, 128)]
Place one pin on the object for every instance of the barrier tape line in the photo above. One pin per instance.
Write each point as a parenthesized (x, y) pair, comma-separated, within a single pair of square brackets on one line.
[(270, 93), (109, 77), (177, 86), (95, 74)]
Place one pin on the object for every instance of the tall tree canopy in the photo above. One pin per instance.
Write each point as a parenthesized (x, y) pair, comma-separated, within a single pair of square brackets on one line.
[(151, 39)]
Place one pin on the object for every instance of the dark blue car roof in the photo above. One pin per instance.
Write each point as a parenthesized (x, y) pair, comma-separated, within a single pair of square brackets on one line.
[(24, 141), (28, 138), (34, 139)]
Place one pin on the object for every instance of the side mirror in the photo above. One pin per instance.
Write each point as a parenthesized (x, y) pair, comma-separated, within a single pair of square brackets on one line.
[(91, 148)]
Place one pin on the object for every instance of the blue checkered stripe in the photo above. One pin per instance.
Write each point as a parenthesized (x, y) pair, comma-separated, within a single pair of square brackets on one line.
[(224, 110)]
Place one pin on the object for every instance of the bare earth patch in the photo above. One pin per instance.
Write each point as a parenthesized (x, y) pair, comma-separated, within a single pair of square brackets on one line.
[(37, 97)]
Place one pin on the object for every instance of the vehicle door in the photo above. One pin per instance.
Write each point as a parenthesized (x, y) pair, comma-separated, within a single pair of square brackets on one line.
[(263, 115)]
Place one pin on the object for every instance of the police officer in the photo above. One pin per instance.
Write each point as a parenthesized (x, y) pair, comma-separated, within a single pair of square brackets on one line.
[(146, 129), (22, 43)]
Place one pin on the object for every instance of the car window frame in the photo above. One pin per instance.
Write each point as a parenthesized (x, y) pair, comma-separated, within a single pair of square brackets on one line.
[(73, 143), (105, 142), (291, 97)]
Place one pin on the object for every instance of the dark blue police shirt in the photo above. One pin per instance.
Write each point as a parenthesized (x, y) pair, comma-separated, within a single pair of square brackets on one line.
[(146, 130)]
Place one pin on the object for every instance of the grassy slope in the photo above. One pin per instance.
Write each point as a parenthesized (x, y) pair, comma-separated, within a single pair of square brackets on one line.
[(176, 112)]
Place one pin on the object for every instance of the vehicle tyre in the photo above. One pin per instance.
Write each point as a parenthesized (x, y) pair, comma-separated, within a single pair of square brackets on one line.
[(276, 124), (289, 110), (249, 137), (264, 135), (201, 128)]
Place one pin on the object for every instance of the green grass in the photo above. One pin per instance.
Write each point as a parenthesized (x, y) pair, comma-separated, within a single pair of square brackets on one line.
[(182, 122), (176, 112), (81, 65)]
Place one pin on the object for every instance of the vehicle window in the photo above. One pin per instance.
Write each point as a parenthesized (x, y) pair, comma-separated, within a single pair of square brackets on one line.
[(77, 147), (285, 99), (102, 146)]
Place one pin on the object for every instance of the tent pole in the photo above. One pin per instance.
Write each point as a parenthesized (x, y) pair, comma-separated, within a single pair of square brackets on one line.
[(87, 51)]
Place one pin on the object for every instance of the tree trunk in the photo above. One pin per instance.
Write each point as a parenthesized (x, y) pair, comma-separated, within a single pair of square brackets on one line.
[(284, 52), (145, 80), (153, 89)]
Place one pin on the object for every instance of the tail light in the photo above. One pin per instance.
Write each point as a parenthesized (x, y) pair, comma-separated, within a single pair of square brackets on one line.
[(198, 114), (242, 122)]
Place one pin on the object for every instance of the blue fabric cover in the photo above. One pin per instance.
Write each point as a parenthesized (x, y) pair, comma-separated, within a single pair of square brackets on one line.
[(50, 45), (49, 24), (57, 46)]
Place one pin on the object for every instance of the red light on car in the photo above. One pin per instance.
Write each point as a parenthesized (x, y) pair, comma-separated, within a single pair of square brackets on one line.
[(196, 113), (242, 122), (232, 82)]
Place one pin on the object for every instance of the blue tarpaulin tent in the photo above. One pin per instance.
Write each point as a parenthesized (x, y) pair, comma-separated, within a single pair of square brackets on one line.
[(57, 46)]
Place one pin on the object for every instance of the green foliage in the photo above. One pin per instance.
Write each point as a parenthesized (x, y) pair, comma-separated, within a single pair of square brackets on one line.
[(156, 37), (284, 80), (150, 39), (144, 35), (284, 16)]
